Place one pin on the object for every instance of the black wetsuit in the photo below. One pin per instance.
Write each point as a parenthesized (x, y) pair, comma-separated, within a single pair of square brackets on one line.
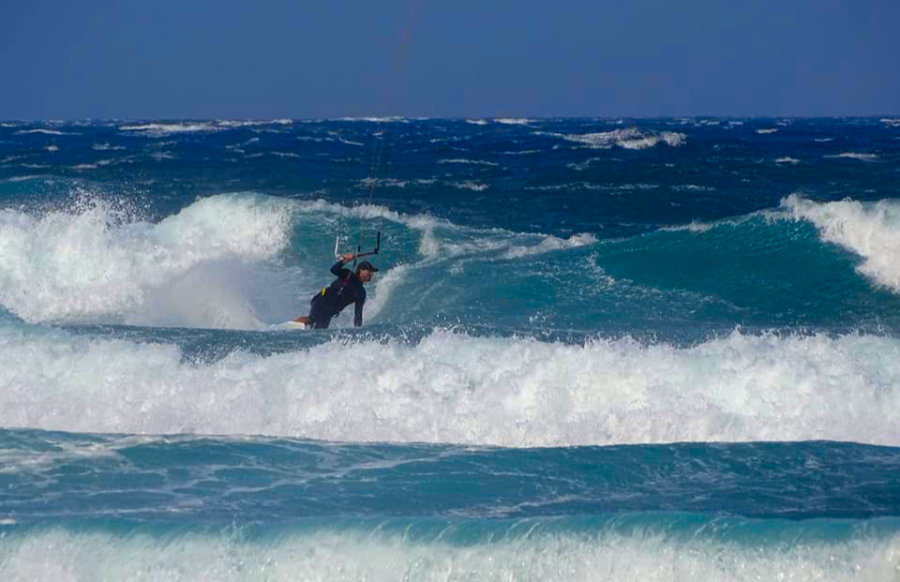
[(331, 300)]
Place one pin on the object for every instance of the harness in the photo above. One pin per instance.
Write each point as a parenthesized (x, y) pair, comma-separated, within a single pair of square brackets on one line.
[(344, 283)]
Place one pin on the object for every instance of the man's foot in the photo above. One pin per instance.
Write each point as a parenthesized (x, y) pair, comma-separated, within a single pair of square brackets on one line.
[(304, 319)]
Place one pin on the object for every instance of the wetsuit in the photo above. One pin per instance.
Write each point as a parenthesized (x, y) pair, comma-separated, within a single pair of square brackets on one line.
[(331, 300)]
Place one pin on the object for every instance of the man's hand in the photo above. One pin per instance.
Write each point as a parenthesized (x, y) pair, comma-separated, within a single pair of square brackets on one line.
[(348, 257)]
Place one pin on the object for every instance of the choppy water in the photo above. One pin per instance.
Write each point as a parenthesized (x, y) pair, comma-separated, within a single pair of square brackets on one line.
[(595, 349)]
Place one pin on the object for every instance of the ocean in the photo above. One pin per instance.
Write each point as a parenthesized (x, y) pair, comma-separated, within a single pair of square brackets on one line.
[(595, 349)]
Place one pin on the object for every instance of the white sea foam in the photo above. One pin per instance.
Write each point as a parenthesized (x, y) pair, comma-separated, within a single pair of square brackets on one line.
[(582, 166), (91, 264), (513, 120), (164, 129), (767, 130), (460, 240), (477, 121), (52, 148), (14, 179), (232, 123), (469, 185), (693, 188), (823, 139), (550, 244), (45, 132), (453, 388), (630, 138), (350, 142), (787, 160), (467, 161), (856, 156), (871, 230), (891, 122), (385, 119), (371, 211), (59, 554), (95, 165)]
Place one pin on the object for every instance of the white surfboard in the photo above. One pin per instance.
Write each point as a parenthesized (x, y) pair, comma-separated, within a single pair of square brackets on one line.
[(288, 326)]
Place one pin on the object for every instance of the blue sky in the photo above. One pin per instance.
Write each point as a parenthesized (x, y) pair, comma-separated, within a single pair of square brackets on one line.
[(273, 58)]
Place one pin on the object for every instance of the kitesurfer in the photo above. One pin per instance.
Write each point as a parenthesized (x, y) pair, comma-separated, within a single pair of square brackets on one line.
[(346, 289)]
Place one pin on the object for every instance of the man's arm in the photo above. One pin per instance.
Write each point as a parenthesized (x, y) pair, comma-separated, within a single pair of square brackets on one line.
[(338, 269)]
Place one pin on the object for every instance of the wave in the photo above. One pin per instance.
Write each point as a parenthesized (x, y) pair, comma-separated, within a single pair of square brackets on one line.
[(220, 262), (45, 132), (552, 243), (856, 156), (868, 229), (527, 551), (162, 129), (630, 138), (469, 185), (244, 261), (766, 131), (453, 388), (166, 129), (512, 120), (95, 263), (374, 119), (231, 123), (467, 161)]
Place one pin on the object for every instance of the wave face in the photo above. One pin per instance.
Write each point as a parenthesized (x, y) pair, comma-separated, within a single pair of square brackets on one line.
[(243, 261), (594, 349)]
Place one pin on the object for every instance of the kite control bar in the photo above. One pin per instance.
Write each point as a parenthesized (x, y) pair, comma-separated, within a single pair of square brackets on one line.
[(358, 254), (372, 252)]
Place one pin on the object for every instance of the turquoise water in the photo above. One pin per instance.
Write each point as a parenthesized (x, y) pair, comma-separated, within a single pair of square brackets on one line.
[(595, 349)]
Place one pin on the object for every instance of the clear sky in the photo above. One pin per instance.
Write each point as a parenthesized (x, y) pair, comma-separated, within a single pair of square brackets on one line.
[(140, 59)]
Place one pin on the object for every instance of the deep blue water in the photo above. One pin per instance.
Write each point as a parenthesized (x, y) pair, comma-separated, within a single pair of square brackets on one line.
[(595, 349)]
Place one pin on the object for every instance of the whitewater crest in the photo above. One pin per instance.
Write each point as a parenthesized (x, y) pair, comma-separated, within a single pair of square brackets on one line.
[(525, 553), (631, 138), (90, 263), (218, 261), (871, 230), (453, 388)]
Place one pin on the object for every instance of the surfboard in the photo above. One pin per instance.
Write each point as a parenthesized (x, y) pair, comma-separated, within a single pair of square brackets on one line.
[(289, 326)]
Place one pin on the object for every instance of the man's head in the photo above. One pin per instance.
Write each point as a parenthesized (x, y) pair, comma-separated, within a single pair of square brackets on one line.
[(365, 270)]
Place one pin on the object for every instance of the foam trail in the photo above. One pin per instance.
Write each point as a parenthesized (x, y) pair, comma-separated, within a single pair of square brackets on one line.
[(452, 388), (57, 554), (871, 230)]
